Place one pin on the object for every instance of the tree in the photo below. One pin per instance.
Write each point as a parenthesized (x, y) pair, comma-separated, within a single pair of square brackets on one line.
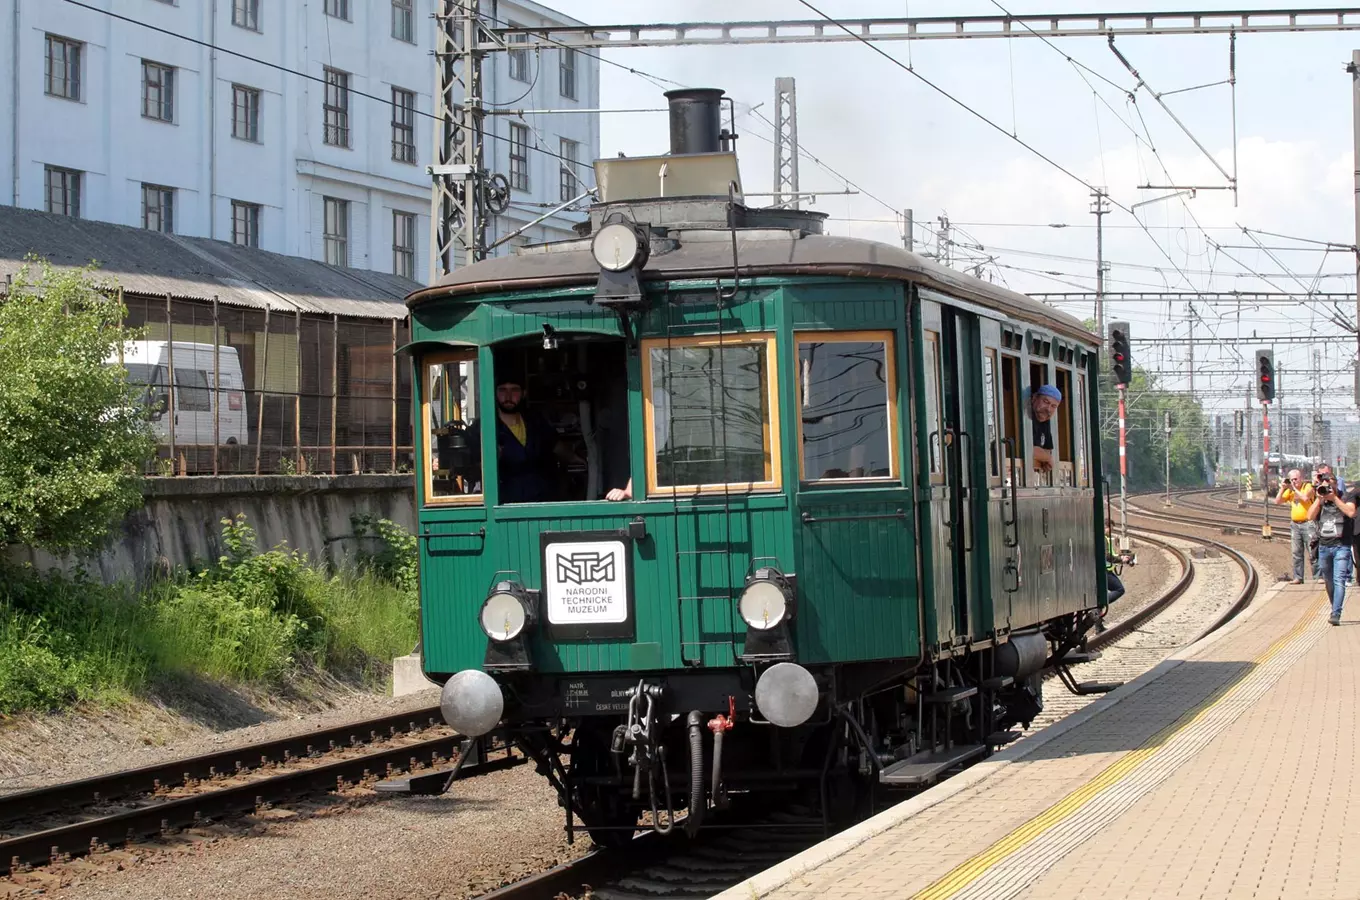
[(1146, 442), (72, 438)]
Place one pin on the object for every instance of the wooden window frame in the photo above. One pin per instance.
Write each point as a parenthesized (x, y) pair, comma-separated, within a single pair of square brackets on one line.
[(771, 426), (1066, 427), (1083, 447), (931, 338), (422, 435), (996, 450), (1018, 473), (888, 338)]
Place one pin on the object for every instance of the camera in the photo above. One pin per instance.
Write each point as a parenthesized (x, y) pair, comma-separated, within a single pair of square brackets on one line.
[(1324, 489)]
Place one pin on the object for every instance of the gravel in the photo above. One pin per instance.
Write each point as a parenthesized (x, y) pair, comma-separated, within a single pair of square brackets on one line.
[(489, 830), (42, 750)]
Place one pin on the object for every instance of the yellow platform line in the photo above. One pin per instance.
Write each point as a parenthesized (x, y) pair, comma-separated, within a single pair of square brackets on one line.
[(969, 871)]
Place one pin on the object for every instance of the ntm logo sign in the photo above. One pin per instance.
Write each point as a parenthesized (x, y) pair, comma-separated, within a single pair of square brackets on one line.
[(585, 567)]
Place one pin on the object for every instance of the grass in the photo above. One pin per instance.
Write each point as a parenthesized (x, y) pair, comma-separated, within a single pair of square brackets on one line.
[(251, 618)]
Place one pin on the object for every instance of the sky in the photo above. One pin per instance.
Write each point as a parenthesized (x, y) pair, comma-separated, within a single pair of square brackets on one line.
[(906, 146)]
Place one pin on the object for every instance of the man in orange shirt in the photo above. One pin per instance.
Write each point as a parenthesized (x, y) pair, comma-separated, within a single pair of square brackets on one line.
[(1299, 495)]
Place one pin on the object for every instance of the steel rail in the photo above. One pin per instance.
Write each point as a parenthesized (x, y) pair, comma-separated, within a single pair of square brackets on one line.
[(54, 844), (148, 779), (572, 878)]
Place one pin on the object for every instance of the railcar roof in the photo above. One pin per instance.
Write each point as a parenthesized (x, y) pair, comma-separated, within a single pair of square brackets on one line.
[(708, 253)]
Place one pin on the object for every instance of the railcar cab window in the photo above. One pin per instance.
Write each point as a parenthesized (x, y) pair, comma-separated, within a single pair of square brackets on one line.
[(1012, 417), (561, 421), (989, 398), (934, 407), (847, 409), (449, 409), (1063, 437), (711, 415)]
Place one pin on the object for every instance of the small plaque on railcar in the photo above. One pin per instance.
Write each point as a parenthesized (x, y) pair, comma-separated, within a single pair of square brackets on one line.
[(587, 584)]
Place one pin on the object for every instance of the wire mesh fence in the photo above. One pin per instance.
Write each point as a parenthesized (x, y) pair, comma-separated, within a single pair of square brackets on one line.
[(237, 390)]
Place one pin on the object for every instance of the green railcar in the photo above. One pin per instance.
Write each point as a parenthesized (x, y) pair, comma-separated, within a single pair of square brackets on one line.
[(836, 563)]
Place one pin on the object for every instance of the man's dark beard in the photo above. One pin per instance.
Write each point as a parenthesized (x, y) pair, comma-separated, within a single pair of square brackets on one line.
[(508, 407)]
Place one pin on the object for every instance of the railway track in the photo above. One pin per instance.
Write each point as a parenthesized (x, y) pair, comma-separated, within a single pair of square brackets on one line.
[(656, 868), (53, 824)]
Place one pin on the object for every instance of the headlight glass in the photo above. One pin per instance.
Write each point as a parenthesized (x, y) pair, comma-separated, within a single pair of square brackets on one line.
[(503, 617), (763, 605)]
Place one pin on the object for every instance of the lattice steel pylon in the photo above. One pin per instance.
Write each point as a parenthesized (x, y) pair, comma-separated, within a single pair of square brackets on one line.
[(785, 143), (458, 195)]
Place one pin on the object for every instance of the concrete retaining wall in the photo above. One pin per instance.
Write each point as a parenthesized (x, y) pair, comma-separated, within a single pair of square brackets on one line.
[(181, 521)]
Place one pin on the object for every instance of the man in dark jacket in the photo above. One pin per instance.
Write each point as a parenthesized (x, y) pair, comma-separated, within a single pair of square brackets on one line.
[(526, 446)]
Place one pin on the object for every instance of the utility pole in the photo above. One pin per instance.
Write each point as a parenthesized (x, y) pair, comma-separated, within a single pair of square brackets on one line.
[(1166, 428), (908, 219), (785, 143), (1100, 205), (943, 245), (1354, 69), (1241, 427), (1190, 361), (458, 199), (1265, 469)]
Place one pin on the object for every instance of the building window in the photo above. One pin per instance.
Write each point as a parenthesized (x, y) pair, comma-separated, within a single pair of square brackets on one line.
[(519, 59), (404, 20), (245, 113), (245, 224), (246, 14), (337, 108), (566, 74), (570, 183), (63, 67), (158, 91), (404, 245), (337, 9), (519, 157), (335, 234), (63, 191), (158, 208), (403, 125)]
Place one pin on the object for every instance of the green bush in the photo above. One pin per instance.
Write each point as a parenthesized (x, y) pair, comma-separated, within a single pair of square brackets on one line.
[(252, 617)]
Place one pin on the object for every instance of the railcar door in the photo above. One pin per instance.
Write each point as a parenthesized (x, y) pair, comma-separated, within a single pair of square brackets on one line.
[(949, 380)]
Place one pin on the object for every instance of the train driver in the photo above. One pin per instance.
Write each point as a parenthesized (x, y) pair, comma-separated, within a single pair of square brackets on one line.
[(526, 444), (1043, 405)]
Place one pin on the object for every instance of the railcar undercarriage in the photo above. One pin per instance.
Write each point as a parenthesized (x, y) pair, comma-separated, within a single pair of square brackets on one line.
[(621, 750)]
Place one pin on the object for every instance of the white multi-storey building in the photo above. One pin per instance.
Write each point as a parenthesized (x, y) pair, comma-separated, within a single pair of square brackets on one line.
[(297, 126)]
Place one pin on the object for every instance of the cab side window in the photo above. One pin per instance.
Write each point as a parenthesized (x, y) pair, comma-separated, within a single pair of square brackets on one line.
[(1063, 436), (847, 406), (711, 414), (449, 411), (934, 408), (1012, 417)]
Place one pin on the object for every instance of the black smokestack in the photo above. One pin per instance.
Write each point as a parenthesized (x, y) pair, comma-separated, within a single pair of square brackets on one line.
[(696, 120)]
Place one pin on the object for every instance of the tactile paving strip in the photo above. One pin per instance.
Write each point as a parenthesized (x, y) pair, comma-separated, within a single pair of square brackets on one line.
[(1011, 864)]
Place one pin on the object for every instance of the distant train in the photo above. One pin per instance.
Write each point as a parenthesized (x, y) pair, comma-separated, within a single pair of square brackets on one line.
[(837, 564)]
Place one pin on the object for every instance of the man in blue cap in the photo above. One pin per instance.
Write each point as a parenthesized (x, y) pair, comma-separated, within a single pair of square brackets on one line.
[(1043, 405)]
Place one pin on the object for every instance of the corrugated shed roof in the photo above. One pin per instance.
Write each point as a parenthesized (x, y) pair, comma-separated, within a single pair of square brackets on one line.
[(154, 264)]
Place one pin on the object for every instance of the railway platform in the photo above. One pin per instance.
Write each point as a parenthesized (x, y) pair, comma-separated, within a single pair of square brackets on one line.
[(1229, 770)]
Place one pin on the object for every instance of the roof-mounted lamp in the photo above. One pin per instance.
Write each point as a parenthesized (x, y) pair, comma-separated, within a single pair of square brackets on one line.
[(620, 248)]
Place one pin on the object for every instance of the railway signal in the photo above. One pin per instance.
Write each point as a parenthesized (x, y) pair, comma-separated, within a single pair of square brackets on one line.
[(1265, 375), (1121, 356)]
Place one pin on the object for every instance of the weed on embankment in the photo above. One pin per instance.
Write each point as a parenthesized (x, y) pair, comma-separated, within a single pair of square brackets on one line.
[(252, 617)]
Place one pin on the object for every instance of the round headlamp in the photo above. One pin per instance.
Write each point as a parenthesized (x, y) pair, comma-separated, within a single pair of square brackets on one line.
[(617, 246), (764, 602), (505, 613)]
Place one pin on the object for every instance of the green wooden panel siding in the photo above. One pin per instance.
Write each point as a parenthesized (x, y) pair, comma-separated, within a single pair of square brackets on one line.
[(857, 596), (457, 571)]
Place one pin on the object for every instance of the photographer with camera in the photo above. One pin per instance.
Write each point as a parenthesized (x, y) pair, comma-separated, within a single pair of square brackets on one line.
[(1298, 494), (1335, 517)]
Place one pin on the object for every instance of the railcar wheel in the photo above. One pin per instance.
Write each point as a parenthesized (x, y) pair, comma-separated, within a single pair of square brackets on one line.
[(603, 808)]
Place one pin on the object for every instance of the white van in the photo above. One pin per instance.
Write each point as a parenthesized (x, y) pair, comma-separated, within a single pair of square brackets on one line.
[(195, 401)]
